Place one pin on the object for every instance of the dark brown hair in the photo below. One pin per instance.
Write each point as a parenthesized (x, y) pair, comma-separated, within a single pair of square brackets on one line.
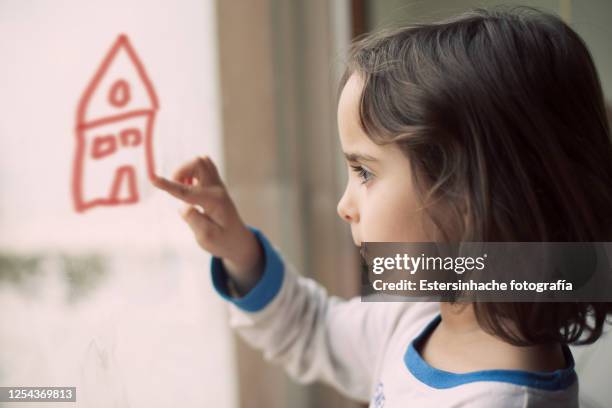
[(502, 117)]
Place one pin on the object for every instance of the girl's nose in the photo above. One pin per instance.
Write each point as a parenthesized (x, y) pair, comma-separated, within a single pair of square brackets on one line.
[(346, 211)]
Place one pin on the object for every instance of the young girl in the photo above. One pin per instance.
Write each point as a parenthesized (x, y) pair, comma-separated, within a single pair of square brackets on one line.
[(489, 126)]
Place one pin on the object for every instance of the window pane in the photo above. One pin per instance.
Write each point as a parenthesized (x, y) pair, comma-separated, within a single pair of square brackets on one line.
[(102, 285)]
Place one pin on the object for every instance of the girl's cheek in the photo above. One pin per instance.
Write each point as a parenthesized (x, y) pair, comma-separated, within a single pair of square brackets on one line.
[(377, 221)]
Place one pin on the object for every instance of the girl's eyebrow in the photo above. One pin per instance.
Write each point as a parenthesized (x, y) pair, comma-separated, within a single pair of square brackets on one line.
[(355, 157)]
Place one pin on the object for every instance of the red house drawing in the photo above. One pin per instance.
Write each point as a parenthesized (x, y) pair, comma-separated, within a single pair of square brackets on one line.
[(114, 132)]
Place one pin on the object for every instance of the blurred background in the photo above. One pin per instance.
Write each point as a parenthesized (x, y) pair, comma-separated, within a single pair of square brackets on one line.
[(117, 300)]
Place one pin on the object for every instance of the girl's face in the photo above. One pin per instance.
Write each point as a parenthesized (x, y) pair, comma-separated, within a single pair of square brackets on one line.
[(379, 202)]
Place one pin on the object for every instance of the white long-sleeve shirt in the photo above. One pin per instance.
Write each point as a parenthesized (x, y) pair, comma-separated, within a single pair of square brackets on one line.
[(368, 351)]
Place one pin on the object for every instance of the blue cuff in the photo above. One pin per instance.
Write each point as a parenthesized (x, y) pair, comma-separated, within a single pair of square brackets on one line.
[(267, 286)]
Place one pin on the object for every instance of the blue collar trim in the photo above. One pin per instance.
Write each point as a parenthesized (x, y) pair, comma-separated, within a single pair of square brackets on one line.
[(551, 380)]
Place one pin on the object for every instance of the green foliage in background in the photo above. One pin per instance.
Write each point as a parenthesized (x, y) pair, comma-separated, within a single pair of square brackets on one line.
[(81, 273)]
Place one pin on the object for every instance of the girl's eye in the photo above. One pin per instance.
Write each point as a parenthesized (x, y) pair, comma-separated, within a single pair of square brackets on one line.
[(363, 173)]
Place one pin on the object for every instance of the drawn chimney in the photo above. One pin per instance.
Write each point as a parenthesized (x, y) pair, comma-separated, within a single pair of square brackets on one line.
[(114, 132)]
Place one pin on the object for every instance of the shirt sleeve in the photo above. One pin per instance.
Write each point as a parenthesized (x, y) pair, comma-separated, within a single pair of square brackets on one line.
[(315, 337)]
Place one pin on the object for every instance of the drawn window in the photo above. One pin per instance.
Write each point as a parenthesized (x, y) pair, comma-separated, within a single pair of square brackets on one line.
[(130, 137), (103, 146)]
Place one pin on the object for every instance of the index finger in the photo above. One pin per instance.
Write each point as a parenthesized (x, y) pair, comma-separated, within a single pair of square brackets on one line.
[(181, 191)]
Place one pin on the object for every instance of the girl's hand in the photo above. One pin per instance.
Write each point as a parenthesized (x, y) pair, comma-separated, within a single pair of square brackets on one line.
[(218, 230)]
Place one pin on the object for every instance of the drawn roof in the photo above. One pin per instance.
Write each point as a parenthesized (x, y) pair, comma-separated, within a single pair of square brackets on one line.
[(120, 86)]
